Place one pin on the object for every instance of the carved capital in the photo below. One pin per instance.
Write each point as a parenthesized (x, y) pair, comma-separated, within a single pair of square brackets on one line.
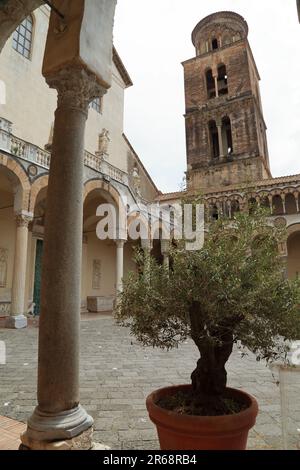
[(120, 243), (23, 220), (76, 87)]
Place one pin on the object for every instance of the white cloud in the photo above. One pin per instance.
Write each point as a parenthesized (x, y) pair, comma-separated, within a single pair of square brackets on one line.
[(153, 39)]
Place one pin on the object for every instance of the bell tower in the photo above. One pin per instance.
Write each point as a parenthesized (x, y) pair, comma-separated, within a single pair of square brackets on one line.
[(225, 128)]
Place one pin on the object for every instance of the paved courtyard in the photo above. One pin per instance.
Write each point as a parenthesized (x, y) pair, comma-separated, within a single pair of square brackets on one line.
[(116, 376)]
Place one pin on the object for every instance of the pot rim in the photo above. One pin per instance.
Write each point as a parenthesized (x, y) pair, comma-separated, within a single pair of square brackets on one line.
[(234, 423)]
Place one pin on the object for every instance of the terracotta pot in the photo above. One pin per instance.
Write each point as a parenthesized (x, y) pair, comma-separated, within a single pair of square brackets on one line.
[(184, 432)]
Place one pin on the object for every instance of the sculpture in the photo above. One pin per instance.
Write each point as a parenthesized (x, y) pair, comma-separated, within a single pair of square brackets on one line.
[(104, 141), (136, 181)]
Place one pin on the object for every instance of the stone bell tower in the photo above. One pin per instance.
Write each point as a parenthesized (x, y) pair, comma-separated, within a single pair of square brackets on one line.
[(225, 129)]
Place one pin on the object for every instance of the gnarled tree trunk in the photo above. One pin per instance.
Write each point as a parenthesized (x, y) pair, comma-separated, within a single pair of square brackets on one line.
[(209, 379)]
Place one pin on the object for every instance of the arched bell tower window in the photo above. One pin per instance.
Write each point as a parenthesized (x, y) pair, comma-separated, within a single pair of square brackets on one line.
[(214, 140), (210, 84), (22, 38), (222, 80), (214, 44), (227, 136)]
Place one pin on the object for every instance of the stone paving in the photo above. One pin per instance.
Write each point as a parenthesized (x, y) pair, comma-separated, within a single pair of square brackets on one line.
[(116, 376)]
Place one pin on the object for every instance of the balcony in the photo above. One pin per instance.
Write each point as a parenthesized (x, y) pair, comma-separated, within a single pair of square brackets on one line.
[(31, 153)]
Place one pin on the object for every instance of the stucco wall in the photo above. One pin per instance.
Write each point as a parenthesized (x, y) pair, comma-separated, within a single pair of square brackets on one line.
[(30, 104)]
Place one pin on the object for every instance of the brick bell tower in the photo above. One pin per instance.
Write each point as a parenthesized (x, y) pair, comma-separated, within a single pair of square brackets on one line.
[(225, 128)]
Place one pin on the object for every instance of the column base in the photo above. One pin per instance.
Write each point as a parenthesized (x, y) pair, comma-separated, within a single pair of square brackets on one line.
[(47, 429), (82, 442), (16, 322)]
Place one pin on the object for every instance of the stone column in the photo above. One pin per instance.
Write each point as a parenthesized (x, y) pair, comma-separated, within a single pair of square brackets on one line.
[(120, 265), (296, 195), (283, 203), (219, 126), (216, 85), (165, 251), (271, 204), (59, 421), (18, 317)]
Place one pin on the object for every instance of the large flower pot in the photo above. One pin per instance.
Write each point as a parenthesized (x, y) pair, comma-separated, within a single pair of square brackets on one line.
[(185, 432)]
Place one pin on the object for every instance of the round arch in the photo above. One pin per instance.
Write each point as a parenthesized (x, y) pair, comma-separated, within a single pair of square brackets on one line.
[(39, 184), (114, 197), (16, 169), (93, 185), (293, 250)]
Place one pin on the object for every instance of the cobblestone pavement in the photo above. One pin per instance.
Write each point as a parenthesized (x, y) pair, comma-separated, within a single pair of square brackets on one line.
[(116, 376)]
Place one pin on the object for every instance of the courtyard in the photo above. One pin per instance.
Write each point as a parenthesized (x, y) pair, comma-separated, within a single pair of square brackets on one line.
[(116, 376)]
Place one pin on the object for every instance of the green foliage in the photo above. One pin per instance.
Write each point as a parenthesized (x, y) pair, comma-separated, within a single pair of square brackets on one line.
[(236, 281)]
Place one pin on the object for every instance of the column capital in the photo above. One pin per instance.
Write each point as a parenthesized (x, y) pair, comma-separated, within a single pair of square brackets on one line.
[(76, 87), (23, 219), (120, 243)]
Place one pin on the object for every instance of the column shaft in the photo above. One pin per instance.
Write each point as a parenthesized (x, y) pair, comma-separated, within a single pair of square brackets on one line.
[(119, 265), (59, 415), (220, 140), (216, 85), (18, 307), (58, 387)]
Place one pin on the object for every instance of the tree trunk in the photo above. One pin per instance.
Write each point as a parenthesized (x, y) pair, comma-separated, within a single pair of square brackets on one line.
[(209, 379)]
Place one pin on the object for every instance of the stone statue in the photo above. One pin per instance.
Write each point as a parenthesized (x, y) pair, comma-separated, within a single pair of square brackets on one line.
[(104, 141), (136, 181)]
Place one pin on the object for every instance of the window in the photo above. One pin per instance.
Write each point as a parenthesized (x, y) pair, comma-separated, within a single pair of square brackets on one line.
[(214, 44), (222, 80), (210, 84), (97, 105), (22, 38), (227, 136), (214, 213), (214, 140)]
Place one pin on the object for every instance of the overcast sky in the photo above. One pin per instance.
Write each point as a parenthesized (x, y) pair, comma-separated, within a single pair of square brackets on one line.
[(154, 37)]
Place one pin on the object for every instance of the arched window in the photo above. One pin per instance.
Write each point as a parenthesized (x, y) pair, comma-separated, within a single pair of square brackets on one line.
[(214, 44), (227, 136), (277, 205), (214, 139), (265, 202), (235, 207), (210, 84), (290, 204), (22, 38), (222, 80), (214, 213), (252, 204)]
